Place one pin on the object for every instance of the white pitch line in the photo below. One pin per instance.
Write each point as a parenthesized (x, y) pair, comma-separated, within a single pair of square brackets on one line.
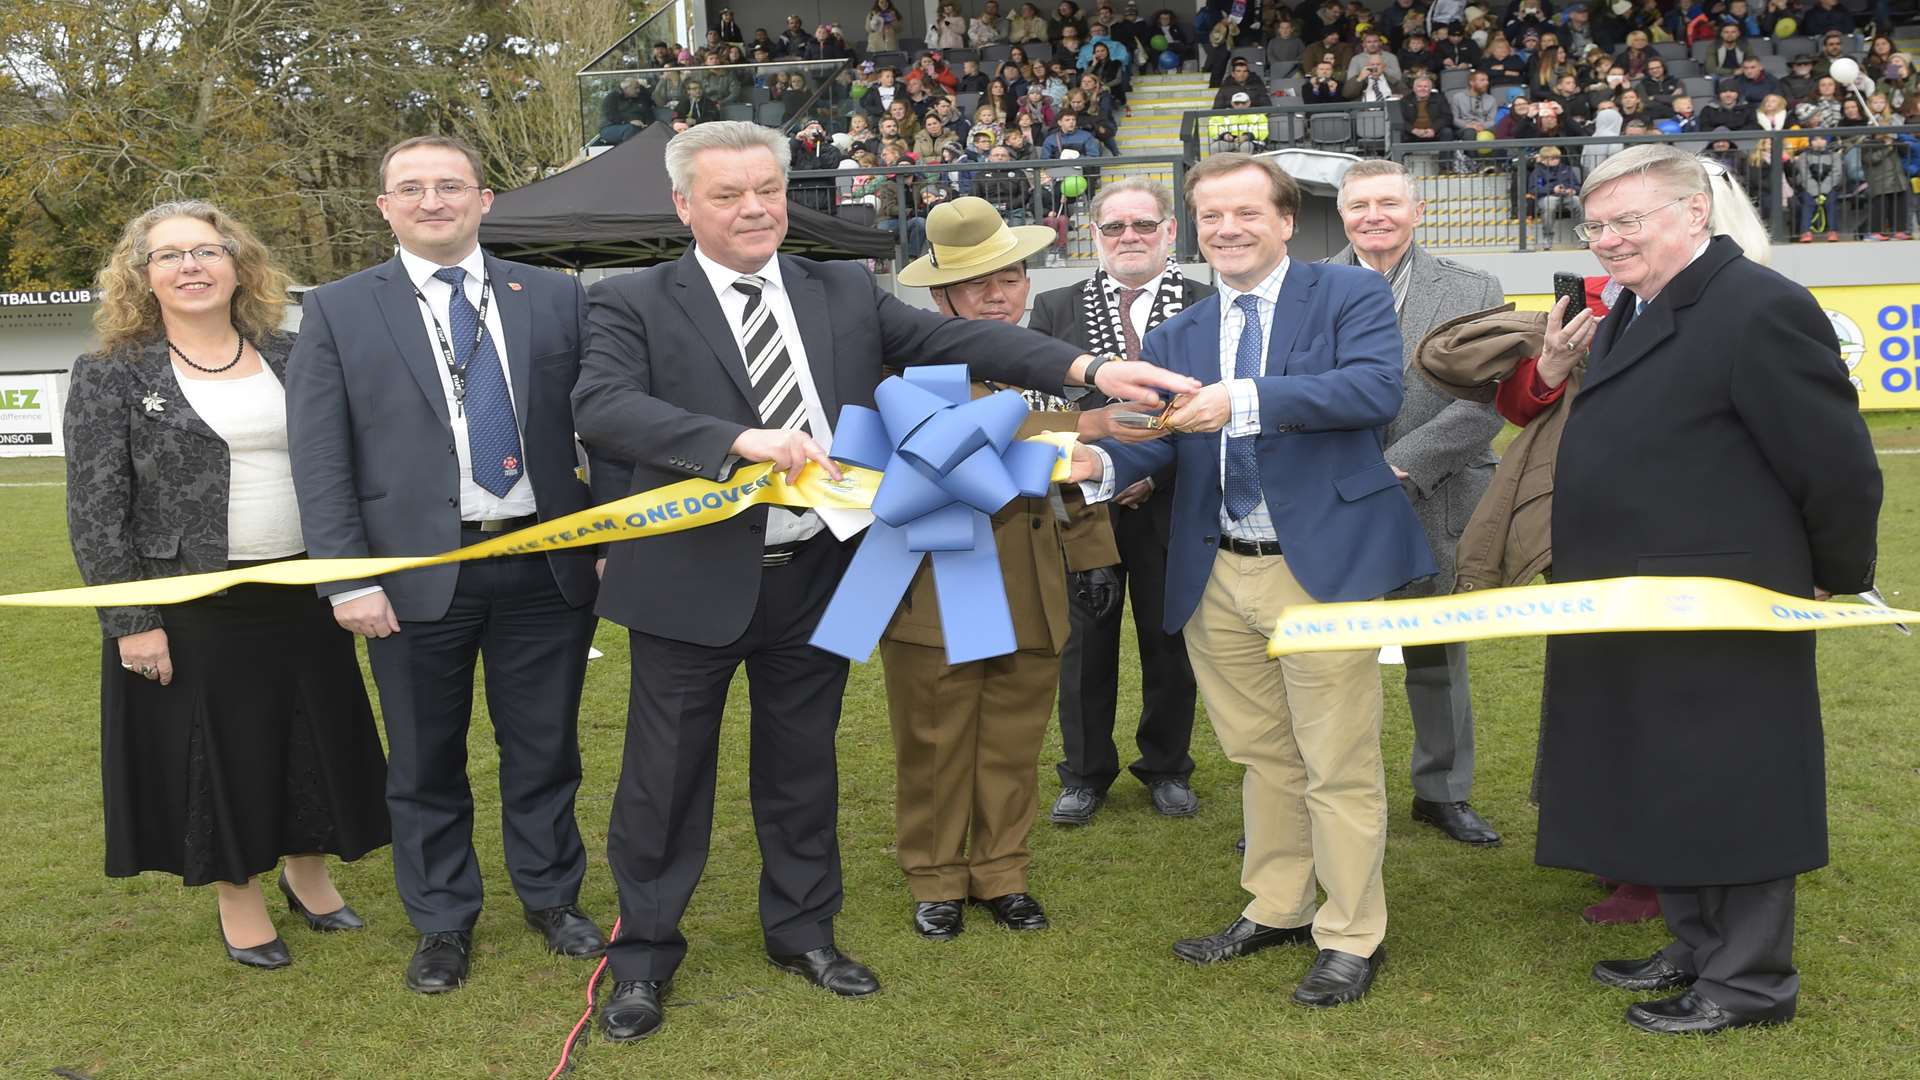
[(1909, 450), (40, 483)]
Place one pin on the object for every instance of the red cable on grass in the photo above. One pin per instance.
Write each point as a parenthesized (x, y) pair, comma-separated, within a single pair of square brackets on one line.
[(593, 1001)]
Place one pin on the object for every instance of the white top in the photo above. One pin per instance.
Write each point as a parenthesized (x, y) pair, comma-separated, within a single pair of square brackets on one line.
[(250, 415), (476, 502), (783, 526), (1141, 309)]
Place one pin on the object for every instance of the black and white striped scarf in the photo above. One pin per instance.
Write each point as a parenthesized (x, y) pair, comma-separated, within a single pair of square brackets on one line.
[(1100, 309)]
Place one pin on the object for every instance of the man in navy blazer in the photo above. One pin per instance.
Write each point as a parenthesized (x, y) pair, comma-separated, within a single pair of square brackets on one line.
[(428, 407), (1283, 496)]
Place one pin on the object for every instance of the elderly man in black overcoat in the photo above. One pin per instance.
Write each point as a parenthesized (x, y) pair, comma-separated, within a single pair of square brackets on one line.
[(1715, 434)]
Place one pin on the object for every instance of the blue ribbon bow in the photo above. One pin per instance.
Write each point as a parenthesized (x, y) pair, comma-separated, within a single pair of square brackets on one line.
[(947, 460)]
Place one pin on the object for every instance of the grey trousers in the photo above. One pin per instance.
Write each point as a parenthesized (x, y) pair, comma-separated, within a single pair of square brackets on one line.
[(1442, 705), (1738, 941)]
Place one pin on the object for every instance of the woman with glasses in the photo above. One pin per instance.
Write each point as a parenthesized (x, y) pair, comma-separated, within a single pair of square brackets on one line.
[(235, 729)]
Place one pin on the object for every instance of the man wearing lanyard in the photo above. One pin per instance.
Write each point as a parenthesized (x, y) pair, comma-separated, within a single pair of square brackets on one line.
[(427, 405)]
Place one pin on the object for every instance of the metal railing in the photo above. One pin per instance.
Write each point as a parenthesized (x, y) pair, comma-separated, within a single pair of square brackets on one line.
[(1363, 128), (1477, 192), (776, 94), (635, 47), (1038, 191)]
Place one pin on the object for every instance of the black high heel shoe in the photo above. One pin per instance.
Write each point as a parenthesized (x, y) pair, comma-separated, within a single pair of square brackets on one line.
[(331, 922), (267, 957)]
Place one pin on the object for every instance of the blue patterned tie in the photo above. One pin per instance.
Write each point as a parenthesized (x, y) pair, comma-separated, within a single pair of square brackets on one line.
[(493, 439), (1243, 465)]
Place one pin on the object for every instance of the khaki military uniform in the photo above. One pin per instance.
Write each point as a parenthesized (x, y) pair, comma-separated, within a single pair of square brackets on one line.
[(967, 737)]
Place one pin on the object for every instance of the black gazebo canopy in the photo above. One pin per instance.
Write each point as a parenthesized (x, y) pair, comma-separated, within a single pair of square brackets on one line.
[(617, 210)]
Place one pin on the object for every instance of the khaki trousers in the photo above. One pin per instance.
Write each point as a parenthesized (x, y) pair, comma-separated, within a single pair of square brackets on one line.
[(1307, 728), (966, 750)]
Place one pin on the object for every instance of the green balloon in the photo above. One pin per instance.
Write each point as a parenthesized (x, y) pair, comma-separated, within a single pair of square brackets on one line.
[(1073, 186), (1158, 41)]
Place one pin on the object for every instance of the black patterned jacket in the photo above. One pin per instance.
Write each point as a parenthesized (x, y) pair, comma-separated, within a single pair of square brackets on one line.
[(147, 479)]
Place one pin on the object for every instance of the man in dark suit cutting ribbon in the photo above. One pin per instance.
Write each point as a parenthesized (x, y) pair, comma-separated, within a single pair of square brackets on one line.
[(735, 353)]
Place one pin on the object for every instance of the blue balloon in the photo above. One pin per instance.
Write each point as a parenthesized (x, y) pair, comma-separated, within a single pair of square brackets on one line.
[(1668, 127), (1169, 60)]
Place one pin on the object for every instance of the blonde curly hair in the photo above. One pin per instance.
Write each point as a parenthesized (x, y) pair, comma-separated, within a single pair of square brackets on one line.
[(128, 309)]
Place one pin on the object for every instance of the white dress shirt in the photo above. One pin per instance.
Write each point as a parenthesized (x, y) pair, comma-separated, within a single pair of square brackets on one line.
[(1243, 394), (1141, 309), (783, 526), (476, 502)]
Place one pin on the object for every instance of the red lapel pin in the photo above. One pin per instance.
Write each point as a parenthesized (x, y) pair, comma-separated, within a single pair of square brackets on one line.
[(514, 285)]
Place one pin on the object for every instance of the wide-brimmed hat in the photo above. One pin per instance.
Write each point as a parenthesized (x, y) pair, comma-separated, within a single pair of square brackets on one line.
[(966, 239)]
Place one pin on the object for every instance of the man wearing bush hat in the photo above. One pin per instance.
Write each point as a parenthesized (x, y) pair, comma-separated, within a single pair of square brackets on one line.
[(967, 737)]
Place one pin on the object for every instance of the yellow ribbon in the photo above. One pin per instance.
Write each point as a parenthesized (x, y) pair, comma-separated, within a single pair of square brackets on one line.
[(687, 504), (1610, 606)]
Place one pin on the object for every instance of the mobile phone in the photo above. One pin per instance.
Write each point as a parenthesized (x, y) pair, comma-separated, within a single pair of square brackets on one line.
[(1574, 288)]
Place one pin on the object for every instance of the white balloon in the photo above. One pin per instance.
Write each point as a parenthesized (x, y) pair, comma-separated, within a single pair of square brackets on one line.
[(1845, 71)]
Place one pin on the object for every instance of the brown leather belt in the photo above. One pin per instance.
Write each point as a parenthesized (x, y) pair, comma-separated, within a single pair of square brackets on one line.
[(500, 525)]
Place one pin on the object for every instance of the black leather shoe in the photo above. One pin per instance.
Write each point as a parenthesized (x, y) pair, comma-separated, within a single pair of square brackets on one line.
[(1240, 845), (568, 931), (1656, 972), (939, 920), (634, 1011), (1016, 911), (827, 969), (1242, 937), (1174, 798), (439, 962), (1693, 1014), (266, 957), (1337, 978), (1076, 805), (331, 922), (1457, 820)]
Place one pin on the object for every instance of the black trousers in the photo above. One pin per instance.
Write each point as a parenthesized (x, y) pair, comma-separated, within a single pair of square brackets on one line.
[(1738, 941), (663, 807), (1090, 670), (510, 612)]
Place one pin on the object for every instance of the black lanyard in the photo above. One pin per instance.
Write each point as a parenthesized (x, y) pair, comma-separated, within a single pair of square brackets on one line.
[(456, 371)]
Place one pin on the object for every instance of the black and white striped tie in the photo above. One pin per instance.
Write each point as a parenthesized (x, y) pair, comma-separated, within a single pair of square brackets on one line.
[(770, 371)]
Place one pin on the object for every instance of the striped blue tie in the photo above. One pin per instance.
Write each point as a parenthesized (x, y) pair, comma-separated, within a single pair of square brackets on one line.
[(1243, 465), (493, 439)]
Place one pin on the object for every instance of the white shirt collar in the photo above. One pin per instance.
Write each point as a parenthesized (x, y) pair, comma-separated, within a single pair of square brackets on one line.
[(1640, 302), (722, 278), (1268, 290), (420, 269), (1152, 287)]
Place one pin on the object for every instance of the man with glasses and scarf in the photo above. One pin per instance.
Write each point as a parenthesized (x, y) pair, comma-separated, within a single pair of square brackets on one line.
[(1135, 290)]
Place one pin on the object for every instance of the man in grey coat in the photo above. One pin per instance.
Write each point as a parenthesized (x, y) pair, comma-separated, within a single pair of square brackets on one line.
[(1440, 448)]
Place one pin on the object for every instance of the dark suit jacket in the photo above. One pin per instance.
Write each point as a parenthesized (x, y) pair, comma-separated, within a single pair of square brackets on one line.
[(663, 387), (1059, 313), (1705, 445), (1332, 382), (147, 479), (372, 443)]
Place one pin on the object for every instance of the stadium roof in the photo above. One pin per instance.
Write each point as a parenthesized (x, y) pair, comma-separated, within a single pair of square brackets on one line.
[(616, 210)]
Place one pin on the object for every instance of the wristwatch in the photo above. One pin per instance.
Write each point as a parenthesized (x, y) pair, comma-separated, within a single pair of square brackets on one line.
[(1092, 368)]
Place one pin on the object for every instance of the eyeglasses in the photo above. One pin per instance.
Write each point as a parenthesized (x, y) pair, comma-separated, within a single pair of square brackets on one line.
[(1119, 228), (1627, 225), (172, 258), (448, 190)]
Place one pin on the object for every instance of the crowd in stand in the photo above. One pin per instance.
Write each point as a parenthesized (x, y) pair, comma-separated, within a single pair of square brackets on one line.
[(987, 85)]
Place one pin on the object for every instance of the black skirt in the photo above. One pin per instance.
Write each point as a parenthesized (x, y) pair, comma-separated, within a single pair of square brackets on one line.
[(264, 744)]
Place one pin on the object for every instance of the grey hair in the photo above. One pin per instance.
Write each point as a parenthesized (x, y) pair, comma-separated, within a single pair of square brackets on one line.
[(1162, 198), (683, 148), (1673, 168), (1367, 169)]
